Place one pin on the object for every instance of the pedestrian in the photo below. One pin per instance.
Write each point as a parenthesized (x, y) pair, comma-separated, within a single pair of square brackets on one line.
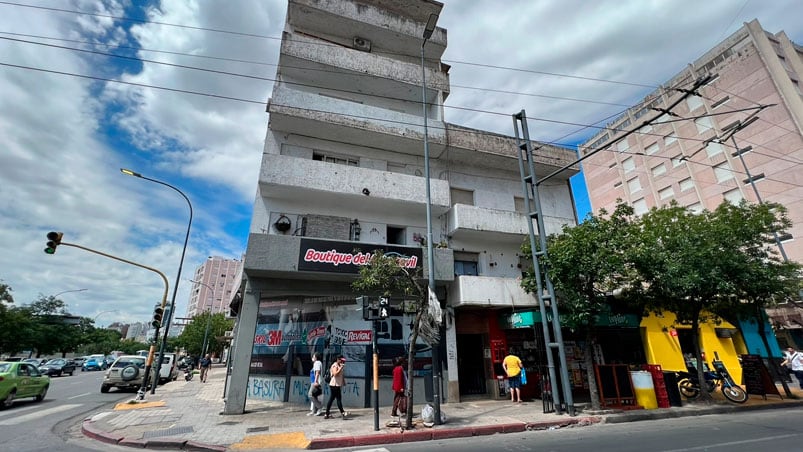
[(512, 365), (204, 365), (793, 360), (315, 389), (336, 382), (399, 387)]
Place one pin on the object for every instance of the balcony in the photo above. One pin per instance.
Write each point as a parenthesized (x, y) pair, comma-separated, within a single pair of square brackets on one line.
[(305, 181), (471, 223), (489, 292), (325, 117)]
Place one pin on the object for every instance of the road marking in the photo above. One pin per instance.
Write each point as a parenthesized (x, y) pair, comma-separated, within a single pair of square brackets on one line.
[(767, 439), (80, 395), (38, 414)]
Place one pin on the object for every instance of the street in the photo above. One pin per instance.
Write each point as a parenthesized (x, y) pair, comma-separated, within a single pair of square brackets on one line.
[(743, 432), (54, 423)]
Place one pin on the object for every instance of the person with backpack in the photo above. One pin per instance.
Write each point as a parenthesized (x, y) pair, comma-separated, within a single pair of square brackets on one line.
[(793, 360), (204, 365), (315, 389), (337, 380)]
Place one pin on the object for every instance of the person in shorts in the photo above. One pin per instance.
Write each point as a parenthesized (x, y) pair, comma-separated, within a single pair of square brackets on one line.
[(512, 365)]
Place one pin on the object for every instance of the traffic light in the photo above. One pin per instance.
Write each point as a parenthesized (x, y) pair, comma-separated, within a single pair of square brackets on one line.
[(384, 308), (53, 240), (158, 311)]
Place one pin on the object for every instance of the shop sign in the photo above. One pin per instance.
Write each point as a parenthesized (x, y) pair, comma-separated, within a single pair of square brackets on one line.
[(345, 257), (618, 320)]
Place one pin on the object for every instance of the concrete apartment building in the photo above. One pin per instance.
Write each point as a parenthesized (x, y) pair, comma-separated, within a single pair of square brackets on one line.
[(342, 176), (687, 160), (215, 280)]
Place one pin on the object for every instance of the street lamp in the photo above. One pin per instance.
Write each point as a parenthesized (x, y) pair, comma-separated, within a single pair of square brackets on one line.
[(429, 28), (208, 319), (68, 291), (180, 264), (103, 312)]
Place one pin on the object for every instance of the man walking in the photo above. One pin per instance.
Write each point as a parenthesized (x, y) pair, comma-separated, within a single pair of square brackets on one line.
[(793, 360), (204, 365), (512, 365)]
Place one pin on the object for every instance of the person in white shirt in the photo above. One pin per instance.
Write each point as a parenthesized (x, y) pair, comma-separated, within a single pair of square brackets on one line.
[(793, 360), (315, 389)]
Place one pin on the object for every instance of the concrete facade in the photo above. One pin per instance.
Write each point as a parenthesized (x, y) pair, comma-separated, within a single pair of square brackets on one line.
[(343, 171), (682, 158)]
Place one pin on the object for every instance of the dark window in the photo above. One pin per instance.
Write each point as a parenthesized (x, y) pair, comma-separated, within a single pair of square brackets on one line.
[(396, 235)]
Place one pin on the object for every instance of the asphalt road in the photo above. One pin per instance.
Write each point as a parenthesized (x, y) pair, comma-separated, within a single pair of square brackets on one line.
[(751, 431), (50, 425)]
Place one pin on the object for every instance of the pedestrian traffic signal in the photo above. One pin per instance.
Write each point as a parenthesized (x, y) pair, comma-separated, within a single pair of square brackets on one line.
[(53, 240), (158, 311), (384, 308)]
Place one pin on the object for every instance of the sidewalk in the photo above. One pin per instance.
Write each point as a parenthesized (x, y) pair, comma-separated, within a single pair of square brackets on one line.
[(186, 415)]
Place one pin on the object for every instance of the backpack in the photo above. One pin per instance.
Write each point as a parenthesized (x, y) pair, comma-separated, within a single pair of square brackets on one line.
[(327, 376)]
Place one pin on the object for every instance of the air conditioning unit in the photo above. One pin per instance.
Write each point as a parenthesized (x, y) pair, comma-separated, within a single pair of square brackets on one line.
[(362, 44)]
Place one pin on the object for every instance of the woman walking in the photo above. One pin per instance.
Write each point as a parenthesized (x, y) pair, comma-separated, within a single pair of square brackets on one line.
[(336, 383)]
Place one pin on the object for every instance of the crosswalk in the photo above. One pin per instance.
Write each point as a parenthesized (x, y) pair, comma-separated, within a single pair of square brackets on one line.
[(13, 417)]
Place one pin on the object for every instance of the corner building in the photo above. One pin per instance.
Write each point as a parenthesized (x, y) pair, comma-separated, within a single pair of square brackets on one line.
[(342, 176)]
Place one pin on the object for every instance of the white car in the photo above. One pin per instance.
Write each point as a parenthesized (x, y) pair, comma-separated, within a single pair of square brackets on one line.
[(126, 372)]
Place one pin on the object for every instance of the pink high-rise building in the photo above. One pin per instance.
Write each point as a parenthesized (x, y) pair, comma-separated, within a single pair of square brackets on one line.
[(212, 291)]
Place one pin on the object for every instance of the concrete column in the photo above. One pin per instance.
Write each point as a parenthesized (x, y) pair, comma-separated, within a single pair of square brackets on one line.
[(452, 379), (236, 390)]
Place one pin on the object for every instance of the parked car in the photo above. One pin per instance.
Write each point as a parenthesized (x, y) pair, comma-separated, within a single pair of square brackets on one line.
[(126, 372), (19, 380), (35, 361), (58, 367), (168, 371), (79, 360), (94, 362)]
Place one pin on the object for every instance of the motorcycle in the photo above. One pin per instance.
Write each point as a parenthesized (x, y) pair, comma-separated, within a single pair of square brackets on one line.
[(188, 373), (689, 383)]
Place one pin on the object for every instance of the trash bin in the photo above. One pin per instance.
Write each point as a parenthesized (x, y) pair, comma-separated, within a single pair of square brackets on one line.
[(672, 390), (644, 389)]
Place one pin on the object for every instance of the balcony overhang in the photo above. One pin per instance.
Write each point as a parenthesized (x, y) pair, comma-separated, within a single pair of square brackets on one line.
[(493, 292)]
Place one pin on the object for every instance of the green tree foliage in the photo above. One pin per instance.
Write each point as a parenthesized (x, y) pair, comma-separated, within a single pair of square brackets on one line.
[(383, 276), (192, 338), (718, 263), (587, 264)]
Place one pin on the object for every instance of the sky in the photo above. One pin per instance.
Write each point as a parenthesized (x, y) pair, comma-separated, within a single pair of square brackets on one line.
[(183, 102)]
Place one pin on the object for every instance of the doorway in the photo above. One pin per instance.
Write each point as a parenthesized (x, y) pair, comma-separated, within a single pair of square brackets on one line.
[(471, 364)]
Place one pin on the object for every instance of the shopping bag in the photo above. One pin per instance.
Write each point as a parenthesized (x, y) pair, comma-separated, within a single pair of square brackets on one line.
[(523, 376)]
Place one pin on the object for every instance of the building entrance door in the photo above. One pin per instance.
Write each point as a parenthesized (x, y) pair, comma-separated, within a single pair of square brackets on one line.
[(471, 364)]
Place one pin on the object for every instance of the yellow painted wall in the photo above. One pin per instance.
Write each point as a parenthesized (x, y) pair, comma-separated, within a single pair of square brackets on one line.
[(661, 347)]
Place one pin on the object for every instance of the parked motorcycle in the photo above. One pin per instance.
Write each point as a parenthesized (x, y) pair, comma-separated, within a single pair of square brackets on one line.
[(689, 383), (187, 373)]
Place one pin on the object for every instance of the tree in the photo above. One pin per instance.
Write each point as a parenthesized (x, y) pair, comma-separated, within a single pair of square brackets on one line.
[(192, 338), (695, 264), (384, 276), (586, 264)]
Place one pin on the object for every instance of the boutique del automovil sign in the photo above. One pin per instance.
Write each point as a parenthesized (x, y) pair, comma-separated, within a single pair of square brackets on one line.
[(346, 257)]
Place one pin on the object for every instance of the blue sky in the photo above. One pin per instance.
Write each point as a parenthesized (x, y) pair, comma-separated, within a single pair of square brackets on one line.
[(189, 110)]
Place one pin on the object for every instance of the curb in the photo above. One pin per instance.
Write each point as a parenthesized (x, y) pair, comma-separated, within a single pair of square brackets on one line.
[(446, 433), (89, 429)]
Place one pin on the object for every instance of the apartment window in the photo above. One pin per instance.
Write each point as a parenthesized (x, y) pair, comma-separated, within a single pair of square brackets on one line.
[(695, 208), (723, 172), (628, 164), (651, 149), (645, 129), (703, 124), (733, 196), (694, 102), (666, 193), (669, 139), (466, 263), (686, 184), (713, 148), (622, 146), (460, 196), (640, 206), (721, 102), (677, 161), (659, 170), (634, 185), (338, 159), (397, 235)]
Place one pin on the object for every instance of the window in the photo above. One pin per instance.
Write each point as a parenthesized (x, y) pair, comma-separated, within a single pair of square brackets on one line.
[(677, 161), (622, 146), (645, 129), (634, 185), (460, 196), (733, 196), (465, 263), (721, 102), (713, 148), (703, 124), (666, 193), (723, 172), (696, 207), (659, 170), (338, 159), (694, 102), (651, 149), (640, 207), (686, 184), (628, 164), (397, 235), (669, 139)]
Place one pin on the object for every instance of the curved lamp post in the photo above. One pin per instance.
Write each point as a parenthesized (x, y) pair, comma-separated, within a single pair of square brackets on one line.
[(208, 319), (68, 291), (180, 265)]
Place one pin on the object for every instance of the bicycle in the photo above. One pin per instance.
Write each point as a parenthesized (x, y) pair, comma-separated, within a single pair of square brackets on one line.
[(689, 384)]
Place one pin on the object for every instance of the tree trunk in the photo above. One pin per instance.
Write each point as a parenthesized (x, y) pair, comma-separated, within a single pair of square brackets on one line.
[(410, 361), (593, 391), (705, 396)]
